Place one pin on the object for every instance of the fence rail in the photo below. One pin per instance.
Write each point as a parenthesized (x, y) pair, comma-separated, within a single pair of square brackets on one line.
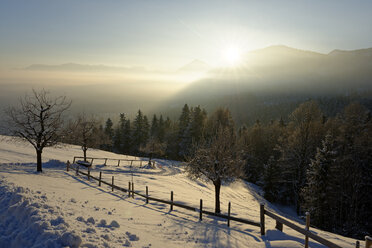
[(279, 225), (114, 159), (280, 221)]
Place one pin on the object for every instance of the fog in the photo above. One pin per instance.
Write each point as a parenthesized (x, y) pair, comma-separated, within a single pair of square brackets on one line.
[(100, 90), (267, 76)]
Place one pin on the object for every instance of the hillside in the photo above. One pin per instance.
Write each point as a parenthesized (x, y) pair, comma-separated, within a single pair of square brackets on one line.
[(58, 208)]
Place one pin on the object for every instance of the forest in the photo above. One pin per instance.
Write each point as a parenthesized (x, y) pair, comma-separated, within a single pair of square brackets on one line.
[(308, 160)]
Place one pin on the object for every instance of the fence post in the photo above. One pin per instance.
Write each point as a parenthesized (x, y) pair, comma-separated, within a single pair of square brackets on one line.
[(153, 164), (368, 242), (100, 178), (133, 190), (77, 170), (91, 163), (88, 174), (112, 183), (171, 207), (128, 189), (147, 194), (357, 244), (262, 219), (68, 165), (201, 210), (74, 160), (141, 163), (118, 162), (307, 229), (131, 162), (279, 225), (105, 161), (228, 214)]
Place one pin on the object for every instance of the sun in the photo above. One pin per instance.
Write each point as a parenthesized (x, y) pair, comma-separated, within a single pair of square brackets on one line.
[(232, 55)]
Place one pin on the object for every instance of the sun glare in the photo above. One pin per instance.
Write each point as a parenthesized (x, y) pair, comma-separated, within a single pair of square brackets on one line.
[(232, 55)]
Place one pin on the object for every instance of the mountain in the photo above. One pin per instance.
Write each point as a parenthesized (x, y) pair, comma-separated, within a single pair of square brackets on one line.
[(279, 75), (353, 53)]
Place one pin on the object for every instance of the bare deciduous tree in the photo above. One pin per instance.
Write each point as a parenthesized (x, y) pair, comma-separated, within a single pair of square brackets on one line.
[(218, 160), (38, 119), (84, 131)]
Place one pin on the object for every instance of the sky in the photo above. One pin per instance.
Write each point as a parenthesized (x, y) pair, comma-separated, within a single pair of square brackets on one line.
[(168, 34)]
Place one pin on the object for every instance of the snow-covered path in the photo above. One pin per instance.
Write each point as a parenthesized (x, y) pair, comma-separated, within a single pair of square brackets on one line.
[(57, 208)]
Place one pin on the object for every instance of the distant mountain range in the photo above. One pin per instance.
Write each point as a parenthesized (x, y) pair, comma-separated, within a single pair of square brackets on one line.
[(194, 66), (281, 69), (280, 75), (269, 83), (74, 67)]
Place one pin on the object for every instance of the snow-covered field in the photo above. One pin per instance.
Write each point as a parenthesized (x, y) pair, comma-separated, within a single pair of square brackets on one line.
[(59, 209)]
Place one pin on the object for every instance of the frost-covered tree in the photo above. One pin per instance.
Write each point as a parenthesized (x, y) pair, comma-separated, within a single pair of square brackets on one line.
[(38, 120), (216, 159)]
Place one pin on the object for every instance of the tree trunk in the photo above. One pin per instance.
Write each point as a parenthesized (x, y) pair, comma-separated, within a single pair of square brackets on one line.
[(217, 188), (39, 163), (85, 154)]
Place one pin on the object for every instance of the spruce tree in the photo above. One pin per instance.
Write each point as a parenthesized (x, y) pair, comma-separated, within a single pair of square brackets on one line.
[(184, 137), (154, 126), (109, 131), (161, 130), (145, 131), (138, 130), (126, 137), (316, 193), (271, 185)]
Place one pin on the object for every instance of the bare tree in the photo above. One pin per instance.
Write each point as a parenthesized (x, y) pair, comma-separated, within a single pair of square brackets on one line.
[(218, 160), (85, 131), (38, 119)]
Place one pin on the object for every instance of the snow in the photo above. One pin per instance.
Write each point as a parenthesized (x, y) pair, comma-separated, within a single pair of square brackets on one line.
[(59, 209)]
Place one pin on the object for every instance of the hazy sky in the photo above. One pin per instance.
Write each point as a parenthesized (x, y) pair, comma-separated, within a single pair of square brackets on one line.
[(168, 34)]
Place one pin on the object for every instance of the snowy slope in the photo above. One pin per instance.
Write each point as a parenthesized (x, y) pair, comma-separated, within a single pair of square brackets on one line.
[(58, 208)]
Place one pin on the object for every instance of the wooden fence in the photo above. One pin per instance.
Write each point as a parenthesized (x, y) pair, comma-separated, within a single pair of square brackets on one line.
[(280, 221), (132, 161), (171, 202)]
